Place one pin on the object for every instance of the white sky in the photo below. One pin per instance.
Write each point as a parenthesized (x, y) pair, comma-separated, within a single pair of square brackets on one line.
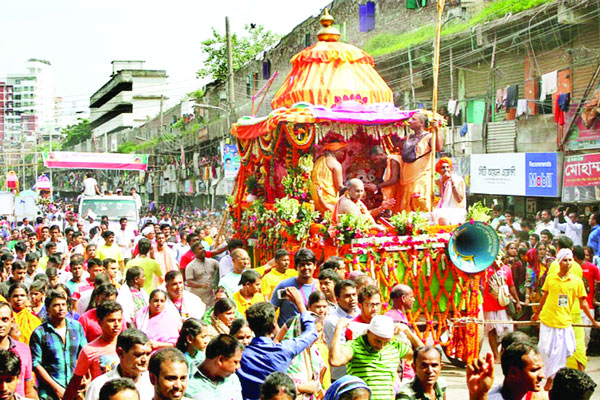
[(81, 37)]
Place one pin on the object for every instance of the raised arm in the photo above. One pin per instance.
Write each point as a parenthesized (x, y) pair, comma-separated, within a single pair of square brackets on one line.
[(338, 353), (308, 336)]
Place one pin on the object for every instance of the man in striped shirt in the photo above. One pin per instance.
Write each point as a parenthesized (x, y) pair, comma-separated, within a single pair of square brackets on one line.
[(374, 356)]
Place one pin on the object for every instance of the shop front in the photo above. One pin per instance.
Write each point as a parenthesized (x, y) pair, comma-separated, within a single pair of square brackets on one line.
[(581, 179)]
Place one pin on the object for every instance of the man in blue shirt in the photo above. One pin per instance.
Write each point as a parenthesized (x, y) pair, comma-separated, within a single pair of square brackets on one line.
[(594, 238), (263, 356), (55, 346), (304, 260)]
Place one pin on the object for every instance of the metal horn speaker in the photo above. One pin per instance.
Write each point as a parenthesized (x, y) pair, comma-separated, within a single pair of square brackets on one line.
[(473, 247)]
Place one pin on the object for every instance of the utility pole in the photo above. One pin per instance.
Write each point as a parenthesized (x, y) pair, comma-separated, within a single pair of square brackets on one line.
[(230, 65), (156, 186)]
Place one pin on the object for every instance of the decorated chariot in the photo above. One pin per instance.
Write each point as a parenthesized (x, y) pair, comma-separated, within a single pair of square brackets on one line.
[(334, 93)]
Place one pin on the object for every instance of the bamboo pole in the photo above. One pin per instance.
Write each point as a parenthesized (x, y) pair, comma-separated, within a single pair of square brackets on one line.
[(436, 72)]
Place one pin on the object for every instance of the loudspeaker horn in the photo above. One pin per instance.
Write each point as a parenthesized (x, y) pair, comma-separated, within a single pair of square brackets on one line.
[(473, 247)]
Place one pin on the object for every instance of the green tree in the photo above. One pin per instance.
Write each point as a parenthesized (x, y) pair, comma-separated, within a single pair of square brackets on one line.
[(244, 49), (77, 133)]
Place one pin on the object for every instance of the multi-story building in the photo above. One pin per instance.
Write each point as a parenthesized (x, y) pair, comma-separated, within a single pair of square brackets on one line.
[(6, 108), (33, 109), (131, 96)]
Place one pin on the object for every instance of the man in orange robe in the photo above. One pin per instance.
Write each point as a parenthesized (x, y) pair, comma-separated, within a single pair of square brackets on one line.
[(415, 165), (327, 178)]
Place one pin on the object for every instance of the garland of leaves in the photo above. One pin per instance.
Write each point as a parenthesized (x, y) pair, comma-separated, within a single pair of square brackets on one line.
[(410, 223)]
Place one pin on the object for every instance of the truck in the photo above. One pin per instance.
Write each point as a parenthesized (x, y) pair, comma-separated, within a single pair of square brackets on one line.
[(15, 208), (114, 207)]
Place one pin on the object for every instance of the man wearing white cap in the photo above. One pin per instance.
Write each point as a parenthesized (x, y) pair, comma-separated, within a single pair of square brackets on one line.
[(561, 291), (374, 356)]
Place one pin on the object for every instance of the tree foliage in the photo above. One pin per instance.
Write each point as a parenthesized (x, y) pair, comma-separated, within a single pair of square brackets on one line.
[(77, 133), (244, 48)]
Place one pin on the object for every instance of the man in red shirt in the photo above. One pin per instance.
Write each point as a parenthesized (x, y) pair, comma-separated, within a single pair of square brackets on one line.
[(189, 256), (591, 275), (369, 303), (497, 278)]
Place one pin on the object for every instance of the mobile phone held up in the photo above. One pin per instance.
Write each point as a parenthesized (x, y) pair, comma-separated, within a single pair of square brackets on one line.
[(282, 294)]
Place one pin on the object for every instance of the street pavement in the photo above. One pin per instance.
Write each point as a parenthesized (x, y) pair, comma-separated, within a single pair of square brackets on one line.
[(456, 378)]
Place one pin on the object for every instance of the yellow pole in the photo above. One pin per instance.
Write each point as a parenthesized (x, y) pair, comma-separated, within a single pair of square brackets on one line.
[(436, 72)]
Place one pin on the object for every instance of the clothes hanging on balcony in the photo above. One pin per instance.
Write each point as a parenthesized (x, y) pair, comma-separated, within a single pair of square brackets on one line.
[(564, 101), (559, 114), (500, 99), (549, 84), (412, 4), (451, 106), (512, 96), (521, 107)]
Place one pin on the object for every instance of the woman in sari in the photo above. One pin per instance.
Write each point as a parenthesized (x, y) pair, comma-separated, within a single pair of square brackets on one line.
[(160, 326), (348, 387), (240, 329), (24, 318), (223, 315), (310, 369)]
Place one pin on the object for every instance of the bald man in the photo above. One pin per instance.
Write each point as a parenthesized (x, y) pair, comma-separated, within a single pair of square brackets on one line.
[(402, 298), (415, 165), (351, 203)]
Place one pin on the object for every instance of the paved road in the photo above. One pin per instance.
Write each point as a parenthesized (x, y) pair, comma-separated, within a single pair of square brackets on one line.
[(456, 379)]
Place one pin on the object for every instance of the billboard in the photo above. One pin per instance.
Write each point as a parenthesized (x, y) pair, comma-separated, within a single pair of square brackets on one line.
[(582, 137), (581, 178), (74, 160), (515, 174), (541, 174), (501, 173)]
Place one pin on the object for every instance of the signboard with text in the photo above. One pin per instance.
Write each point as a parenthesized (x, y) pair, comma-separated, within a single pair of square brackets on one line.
[(582, 137), (498, 174), (541, 174), (581, 178), (515, 174)]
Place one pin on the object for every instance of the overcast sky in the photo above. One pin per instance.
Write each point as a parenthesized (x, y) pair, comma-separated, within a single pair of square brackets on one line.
[(81, 38)]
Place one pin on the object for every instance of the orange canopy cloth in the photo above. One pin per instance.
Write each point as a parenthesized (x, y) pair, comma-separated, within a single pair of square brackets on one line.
[(328, 73)]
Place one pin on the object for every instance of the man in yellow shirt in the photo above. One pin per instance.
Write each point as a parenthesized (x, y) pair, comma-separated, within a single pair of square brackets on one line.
[(280, 272), (110, 249), (579, 359), (249, 293), (557, 339)]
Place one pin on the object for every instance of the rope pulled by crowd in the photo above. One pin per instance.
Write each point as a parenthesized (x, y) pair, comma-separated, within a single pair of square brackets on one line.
[(471, 320)]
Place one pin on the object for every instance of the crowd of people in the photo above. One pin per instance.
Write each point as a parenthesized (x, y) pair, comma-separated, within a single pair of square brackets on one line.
[(174, 309)]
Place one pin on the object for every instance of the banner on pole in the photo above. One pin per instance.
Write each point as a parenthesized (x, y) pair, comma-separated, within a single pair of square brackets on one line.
[(231, 161), (74, 160)]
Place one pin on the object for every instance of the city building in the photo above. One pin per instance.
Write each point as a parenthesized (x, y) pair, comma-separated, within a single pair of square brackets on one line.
[(33, 107), (131, 96), (6, 108)]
